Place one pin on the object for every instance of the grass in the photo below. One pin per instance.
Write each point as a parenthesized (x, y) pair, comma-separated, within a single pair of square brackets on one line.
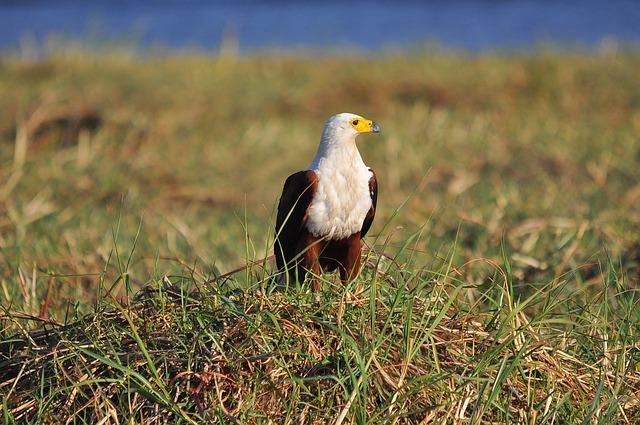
[(501, 285)]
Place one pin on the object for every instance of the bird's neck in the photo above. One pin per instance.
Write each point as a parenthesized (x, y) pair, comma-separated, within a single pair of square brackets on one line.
[(336, 152)]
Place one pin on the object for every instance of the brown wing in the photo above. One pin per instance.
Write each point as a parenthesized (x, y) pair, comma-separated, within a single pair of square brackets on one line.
[(373, 191), (293, 209)]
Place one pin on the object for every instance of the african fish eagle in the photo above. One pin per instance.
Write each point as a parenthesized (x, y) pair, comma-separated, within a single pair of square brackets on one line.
[(325, 210)]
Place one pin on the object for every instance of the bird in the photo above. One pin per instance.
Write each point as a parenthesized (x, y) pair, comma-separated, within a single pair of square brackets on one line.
[(326, 209)]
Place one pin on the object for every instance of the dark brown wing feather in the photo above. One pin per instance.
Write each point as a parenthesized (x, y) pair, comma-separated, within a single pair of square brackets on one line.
[(293, 209), (373, 191)]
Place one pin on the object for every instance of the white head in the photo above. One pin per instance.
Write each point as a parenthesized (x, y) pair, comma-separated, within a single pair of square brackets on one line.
[(339, 136), (346, 127)]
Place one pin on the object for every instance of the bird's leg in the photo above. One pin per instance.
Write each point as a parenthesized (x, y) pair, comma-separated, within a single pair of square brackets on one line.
[(349, 270), (311, 263)]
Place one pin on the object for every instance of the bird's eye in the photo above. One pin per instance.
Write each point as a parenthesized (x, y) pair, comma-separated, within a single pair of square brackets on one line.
[(355, 122)]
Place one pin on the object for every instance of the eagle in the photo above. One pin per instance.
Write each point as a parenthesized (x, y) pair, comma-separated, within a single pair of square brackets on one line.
[(326, 209)]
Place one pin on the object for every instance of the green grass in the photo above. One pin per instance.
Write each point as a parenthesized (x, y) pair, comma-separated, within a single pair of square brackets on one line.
[(502, 284)]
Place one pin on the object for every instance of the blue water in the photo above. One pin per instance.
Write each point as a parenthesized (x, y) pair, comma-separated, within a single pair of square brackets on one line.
[(474, 25)]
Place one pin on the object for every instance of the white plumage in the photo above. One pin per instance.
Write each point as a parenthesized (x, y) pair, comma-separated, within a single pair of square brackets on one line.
[(342, 198)]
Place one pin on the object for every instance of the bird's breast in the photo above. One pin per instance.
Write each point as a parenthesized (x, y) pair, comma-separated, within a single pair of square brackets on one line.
[(341, 202)]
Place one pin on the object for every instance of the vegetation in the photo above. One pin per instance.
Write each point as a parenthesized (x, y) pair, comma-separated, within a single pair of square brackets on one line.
[(137, 200)]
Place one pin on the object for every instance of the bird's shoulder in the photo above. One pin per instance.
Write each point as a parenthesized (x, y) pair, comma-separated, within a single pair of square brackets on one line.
[(300, 181), (296, 198), (373, 185)]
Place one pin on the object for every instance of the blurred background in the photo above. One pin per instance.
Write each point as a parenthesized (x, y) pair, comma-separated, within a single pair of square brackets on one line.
[(249, 25)]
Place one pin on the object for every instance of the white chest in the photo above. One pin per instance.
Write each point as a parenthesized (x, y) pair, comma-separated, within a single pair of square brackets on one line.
[(341, 202)]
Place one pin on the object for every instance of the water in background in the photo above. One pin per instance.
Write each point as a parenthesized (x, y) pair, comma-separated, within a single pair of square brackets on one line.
[(248, 25)]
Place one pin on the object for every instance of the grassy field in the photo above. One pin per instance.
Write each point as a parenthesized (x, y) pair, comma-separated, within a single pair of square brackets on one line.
[(500, 285)]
